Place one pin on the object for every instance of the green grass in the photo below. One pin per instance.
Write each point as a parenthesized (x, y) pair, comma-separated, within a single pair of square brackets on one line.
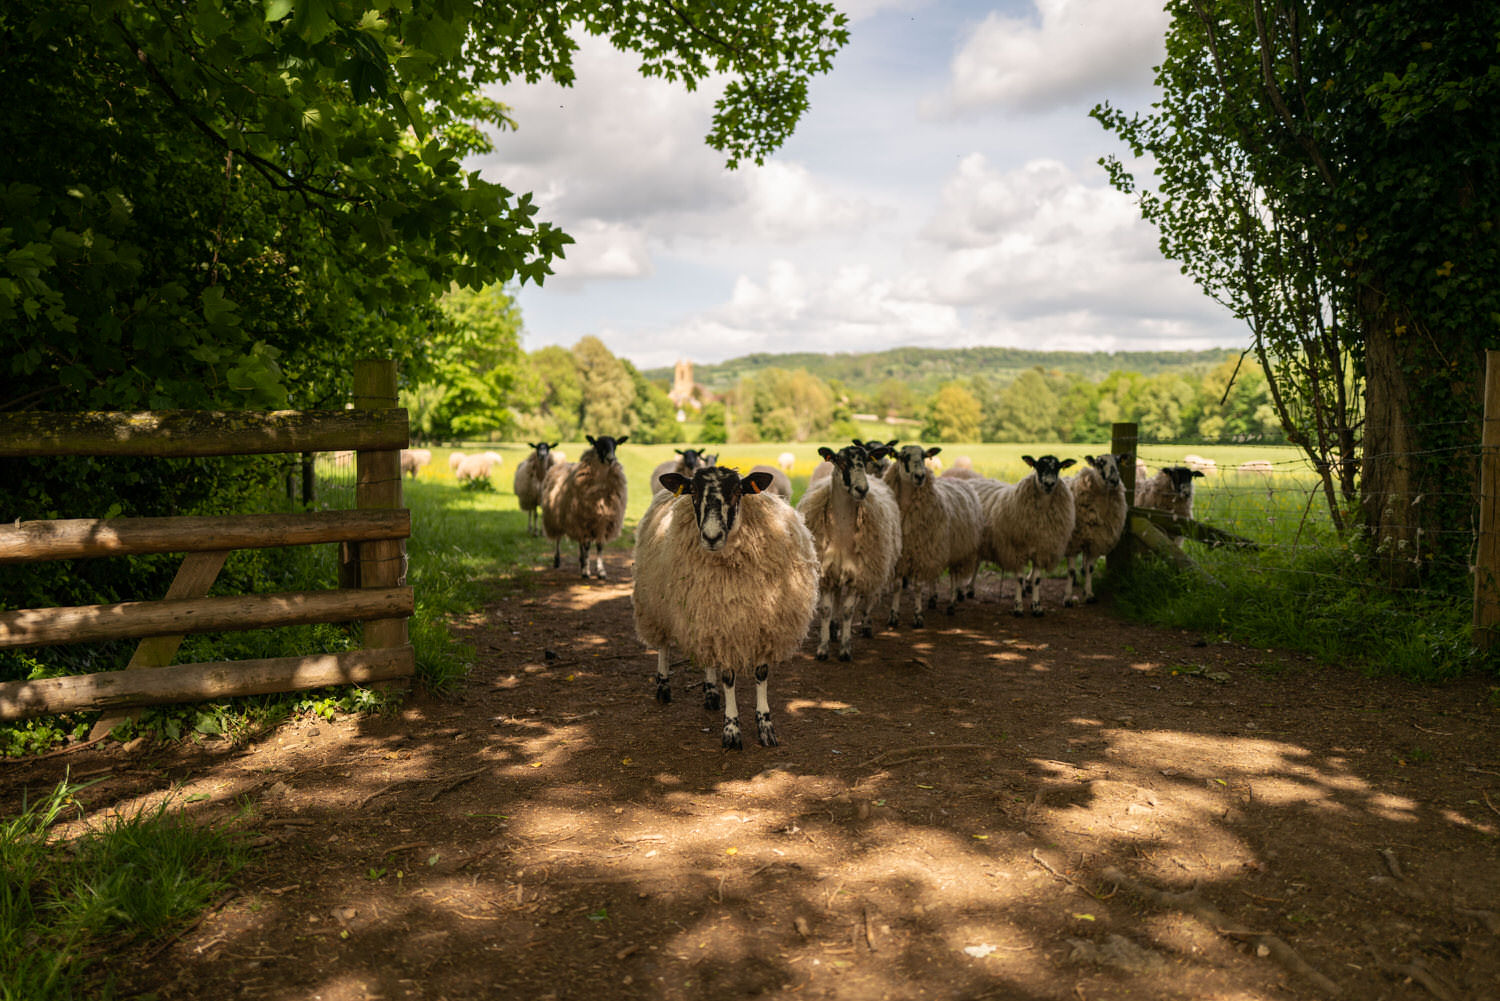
[(65, 907)]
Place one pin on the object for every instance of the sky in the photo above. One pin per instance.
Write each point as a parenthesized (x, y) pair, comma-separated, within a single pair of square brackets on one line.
[(943, 190)]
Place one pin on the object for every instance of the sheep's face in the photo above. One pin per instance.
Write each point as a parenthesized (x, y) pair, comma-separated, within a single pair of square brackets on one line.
[(913, 462), (692, 458), (604, 446), (717, 492), (878, 455), (1107, 466), (849, 469), (1182, 480), (1048, 469), (543, 452)]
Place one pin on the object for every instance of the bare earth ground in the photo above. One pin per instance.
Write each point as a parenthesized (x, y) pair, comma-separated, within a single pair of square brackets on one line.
[(1068, 807)]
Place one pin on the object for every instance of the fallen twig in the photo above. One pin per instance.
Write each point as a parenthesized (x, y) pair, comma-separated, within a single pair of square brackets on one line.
[(54, 754), (1209, 915), (1418, 971), (454, 784), (925, 749)]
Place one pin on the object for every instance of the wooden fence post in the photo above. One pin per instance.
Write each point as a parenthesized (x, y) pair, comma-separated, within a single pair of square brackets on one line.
[(1487, 554), (382, 563), (1123, 437)]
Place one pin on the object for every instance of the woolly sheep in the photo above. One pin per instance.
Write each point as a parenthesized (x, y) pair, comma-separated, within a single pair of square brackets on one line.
[(1170, 490), (478, 466), (1262, 467), (528, 482), (940, 529), (413, 459), (963, 462), (786, 460), (726, 573), (688, 460), (1199, 463), (878, 455), (959, 473), (1027, 524), (1099, 511), (856, 529), (585, 500), (454, 459)]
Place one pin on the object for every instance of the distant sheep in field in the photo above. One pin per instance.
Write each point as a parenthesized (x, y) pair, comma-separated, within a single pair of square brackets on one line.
[(963, 462), (413, 459), (529, 477), (1027, 525), (786, 460), (1199, 463), (960, 473), (781, 483), (585, 501), (940, 529), (1170, 490), (1262, 467), (478, 466), (726, 573), (856, 529), (687, 461), (1099, 520), (455, 459)]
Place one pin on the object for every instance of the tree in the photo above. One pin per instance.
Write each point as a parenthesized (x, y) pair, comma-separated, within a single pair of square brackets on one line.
[(551, 404), (953, 414), (607, 388), (1331, 171), (652, 419), (786, 405), (713, 431)]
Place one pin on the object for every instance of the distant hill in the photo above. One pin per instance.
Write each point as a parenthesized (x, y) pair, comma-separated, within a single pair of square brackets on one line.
[(924, 369)]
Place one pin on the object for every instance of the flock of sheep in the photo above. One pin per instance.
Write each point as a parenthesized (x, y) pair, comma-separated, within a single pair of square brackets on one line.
[(729, 574)]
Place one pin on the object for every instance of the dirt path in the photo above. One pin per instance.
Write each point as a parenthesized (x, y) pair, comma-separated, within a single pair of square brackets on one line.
[(991, 807)]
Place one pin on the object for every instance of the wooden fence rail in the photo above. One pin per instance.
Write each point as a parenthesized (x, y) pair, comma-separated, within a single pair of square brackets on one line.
[(375, 594)]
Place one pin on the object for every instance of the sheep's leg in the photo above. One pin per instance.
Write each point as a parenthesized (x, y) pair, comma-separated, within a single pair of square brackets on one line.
[(557, 553), (1022, 592), (846, 635), (663, 675), (918, 616), (711, 700), (867, 628), (599, 560), (1034, 585), (583, 560), (1088, 580), (973, 576), (895, 620), (825, 620), (1068, 600), (764, 728), (732, 739)]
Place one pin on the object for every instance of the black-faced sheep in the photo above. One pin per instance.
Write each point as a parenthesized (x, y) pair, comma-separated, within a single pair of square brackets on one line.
[(726, 573), (687, 461), (940, 529), (1170, 490), (528, 483), (1098, 519), (585, 500), (856, 528), (781, 484), (1027, 524)]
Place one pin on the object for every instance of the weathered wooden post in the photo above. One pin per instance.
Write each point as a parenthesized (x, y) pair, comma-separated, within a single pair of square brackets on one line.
[(382, 563), (1123, 438), (1487, 555)]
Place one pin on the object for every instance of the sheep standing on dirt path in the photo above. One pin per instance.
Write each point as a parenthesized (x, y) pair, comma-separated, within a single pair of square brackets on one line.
[(726, 573), (1098, 520), (530, 475), (856, 528), (940, 530), (585, 500), (1027, 524)]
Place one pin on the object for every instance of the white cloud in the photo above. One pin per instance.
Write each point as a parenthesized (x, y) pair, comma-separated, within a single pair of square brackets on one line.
[(1072, 50), (604, 250)]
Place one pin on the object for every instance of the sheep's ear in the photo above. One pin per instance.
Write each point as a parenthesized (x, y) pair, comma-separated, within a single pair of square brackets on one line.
[(1066, 463), (591, 439), (932, 451), (1090, 460), (827, 452), (622, 439), (554, 444), (675, 482), (1029, 461), (757, 482), (1197, 472), (680, 451)]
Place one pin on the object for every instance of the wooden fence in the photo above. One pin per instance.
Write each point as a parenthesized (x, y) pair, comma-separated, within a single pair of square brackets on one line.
[(376, 430)]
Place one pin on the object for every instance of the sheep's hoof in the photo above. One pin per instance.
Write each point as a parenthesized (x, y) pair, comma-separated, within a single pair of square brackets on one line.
[(732, 740), (893, 622), (1069, 602), (822, 653), (845, 655), (663, 691), (765, 730), (711, 698), (556, 562), (1090, 600), (867, 631), (917, 622), (1037, 613)]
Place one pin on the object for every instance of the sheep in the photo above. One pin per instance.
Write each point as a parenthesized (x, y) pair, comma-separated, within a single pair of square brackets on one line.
[(688, 460), (528, 482), (781, 483), (878, 455), (856, 528), (1170, 490), (454, 459), (1099, 511), (413, 459), (960, 473), (586, 502), (940, 529), (726, 573), (1027, 523), (786, 460), (478, 466), (963, 462), (1199, 463), (1262, 467)]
